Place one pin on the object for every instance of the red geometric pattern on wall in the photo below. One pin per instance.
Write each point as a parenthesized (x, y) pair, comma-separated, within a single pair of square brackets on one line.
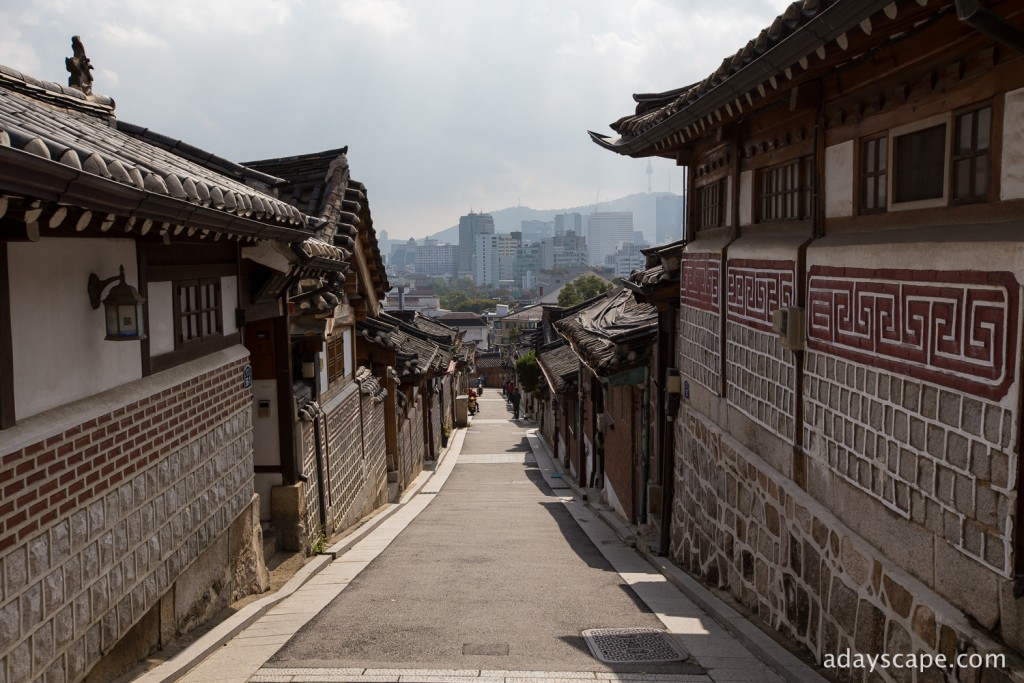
[(700, 281), (757, 288), (953, 328)]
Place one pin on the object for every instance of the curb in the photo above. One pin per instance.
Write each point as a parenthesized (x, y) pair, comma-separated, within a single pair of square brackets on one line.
[(771, 653), (186, 660)]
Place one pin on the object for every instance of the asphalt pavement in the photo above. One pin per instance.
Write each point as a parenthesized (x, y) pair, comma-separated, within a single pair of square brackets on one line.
[(491, 569)]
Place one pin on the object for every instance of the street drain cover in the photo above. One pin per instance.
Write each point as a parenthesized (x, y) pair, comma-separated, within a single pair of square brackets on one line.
[(628, 645)]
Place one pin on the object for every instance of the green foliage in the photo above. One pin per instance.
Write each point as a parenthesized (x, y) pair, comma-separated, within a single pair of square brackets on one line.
[(317, 540), (528, 371), (582, 288)]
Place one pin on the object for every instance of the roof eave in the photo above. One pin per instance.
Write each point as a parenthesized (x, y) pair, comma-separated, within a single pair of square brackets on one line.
[(835, 20)]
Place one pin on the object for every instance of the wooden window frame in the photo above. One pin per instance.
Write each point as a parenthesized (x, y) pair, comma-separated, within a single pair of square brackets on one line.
[(335, 351), (972, 155), (908, 129), (712, 215), (212, 313), (191, 349), (782, 187), (877, 177)]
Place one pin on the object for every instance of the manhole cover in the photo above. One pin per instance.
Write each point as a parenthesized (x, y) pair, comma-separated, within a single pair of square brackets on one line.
[(627, 645)]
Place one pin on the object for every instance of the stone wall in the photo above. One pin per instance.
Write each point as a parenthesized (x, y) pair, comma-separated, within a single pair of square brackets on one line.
[(700, 326), (739, 526), (353, 460), (103, 517), (861, 496)]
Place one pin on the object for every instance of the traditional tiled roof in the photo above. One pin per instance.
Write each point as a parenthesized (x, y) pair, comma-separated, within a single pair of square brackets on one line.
[(430, 326), (796, 42), (414, 356), (526, 315), (662, 267), (58, 145), (615, 331), (488, 360), (560, 366), (463, 319)]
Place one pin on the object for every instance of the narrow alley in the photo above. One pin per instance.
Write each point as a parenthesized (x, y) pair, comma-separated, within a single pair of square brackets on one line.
[(490, 572)]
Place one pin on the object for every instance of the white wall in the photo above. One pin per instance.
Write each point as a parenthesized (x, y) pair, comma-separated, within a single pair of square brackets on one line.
[(839, 173), (1012, 174), (160, 301), (60, 354)]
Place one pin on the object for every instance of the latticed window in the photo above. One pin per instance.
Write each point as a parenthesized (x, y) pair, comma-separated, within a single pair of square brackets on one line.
[(197, 310), (335, 358), (970, 155), (784, 191), (712, 205), (873, 175)]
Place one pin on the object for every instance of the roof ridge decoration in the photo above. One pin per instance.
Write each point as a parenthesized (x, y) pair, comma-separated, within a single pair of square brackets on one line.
[(79, 66)]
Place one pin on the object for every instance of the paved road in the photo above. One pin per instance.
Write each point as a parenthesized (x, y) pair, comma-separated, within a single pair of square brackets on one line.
[(495, 565), (485, 574)]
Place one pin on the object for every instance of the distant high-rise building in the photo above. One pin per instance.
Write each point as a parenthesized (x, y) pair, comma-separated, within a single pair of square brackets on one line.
[(535, 231), (527, 265), (432, 258), (470, 227), (627, 258), (607, 230), (563, 252), (495, 258), (668, 218), (568, 221)]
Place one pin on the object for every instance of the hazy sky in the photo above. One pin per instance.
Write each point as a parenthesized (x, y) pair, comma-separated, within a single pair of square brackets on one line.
[(446, 105)]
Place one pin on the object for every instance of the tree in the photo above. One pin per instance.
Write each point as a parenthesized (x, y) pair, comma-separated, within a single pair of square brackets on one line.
[(582, 288), (528, 372)]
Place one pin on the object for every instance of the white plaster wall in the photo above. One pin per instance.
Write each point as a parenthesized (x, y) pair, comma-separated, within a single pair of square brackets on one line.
[(746, 198), (160, 300), (350, 348), (613, 500), (1012, 174), (263, 483), (839, 180), (60, 354), (266, 447), (229, 302)]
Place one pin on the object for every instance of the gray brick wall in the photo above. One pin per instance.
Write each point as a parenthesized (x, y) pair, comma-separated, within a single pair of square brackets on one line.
[(701, 347), (77, 585), (943, 459), (761, 378), (744, 528)]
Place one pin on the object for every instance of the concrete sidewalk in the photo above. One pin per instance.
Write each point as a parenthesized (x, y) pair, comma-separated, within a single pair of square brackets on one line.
[(489, 459)]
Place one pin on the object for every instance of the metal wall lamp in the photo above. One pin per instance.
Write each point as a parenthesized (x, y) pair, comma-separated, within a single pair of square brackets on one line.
[(123, 307)]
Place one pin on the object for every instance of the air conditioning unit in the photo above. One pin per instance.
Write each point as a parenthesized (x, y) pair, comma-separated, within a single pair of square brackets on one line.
[(788, 323)]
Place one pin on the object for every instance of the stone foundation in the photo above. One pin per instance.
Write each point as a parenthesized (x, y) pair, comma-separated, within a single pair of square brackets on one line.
[(742, 527)]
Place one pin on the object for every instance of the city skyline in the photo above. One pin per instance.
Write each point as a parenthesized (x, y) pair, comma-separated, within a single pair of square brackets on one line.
[(445, 107)]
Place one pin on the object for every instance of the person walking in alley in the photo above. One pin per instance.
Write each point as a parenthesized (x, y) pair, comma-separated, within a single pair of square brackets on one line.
[(515, 396)]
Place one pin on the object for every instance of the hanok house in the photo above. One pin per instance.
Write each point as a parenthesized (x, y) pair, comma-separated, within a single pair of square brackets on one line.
[(128, 512), (658, 285), (848, 444), (614, 338), (417, 367), (559, 408), (491, 368)]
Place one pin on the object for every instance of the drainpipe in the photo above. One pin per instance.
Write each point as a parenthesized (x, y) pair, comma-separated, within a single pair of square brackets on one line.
[(991, 24)]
